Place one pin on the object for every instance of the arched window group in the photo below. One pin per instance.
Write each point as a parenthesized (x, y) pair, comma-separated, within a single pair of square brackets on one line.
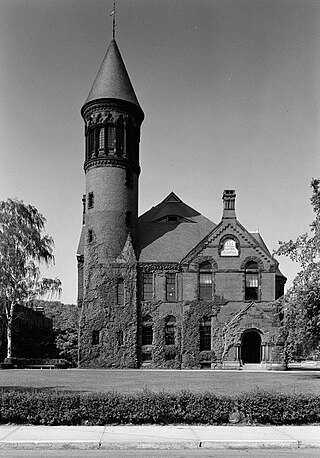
[(170, 330), (106, 137)]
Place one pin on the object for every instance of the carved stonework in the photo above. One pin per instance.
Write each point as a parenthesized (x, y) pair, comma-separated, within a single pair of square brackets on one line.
[(110, 162), (162, 266)]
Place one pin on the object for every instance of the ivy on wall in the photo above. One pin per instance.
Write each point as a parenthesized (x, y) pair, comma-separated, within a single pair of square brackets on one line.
[(194, 313), (101, 313)]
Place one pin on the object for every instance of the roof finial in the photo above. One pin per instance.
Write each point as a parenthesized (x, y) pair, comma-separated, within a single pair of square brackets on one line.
[(114, 25)]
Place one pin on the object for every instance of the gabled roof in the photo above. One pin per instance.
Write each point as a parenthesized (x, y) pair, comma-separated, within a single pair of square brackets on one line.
[(164, 241), (112, 80), (224, 228)]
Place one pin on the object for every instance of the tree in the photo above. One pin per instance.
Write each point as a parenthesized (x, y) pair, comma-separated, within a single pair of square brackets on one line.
[(300, 310), (23, 248)]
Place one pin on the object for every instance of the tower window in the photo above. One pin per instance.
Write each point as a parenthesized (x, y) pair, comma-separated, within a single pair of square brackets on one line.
[(205, 334), (91, 143), (101, 138), (205, 281), (251, 281), (90, 235), (120, 292), (147, 287), (170, 330), (171, 287), (129, 218), (95, 337), (111, 139), (90, 199), (129, 178), (120, 137)]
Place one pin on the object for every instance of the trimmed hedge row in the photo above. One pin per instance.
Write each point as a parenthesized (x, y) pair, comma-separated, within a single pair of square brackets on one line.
[(258, 407)]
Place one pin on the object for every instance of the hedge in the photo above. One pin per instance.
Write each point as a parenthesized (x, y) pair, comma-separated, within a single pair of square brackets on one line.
[(185, 407)]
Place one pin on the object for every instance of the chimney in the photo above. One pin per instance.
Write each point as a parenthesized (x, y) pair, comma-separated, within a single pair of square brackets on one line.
[(229, 204)]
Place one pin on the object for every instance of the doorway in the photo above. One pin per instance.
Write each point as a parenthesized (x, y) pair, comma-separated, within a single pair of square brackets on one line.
[(251, 347)]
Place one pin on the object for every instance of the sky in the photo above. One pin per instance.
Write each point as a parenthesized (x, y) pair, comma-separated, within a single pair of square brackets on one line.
[(231, 95)]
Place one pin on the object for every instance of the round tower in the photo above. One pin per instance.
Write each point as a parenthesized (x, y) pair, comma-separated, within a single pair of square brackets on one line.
[(112, 117)]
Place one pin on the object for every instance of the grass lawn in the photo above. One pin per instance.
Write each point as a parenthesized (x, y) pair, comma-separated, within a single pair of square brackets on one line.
[(98, 380)]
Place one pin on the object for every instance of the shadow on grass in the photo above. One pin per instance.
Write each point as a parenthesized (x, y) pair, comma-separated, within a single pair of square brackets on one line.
[(52, 389)]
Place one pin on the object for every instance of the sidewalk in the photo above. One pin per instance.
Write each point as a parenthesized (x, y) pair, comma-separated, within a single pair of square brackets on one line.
[(158, 437)]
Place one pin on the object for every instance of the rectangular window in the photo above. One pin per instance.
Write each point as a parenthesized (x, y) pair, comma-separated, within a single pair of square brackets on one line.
[(147, 335), (205, 338), (120, 292), (205, 286), (95, 337), (147, 287), (120, 339), (252, 286), (171, 287), (90, 235)]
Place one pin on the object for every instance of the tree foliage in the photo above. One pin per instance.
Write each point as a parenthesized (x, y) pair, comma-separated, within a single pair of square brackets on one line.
[(301, 304), (23, 248)]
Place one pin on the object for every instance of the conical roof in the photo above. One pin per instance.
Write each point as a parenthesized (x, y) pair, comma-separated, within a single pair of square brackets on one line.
[(112, 80)]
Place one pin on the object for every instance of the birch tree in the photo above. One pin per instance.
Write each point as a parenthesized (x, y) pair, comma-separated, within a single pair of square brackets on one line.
[(23, 248)]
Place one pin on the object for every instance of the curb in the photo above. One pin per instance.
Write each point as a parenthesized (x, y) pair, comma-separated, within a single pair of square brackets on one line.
[(163, 445)]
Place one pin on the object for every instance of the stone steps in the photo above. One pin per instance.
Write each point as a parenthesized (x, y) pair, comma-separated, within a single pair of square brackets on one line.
[(252, 367)]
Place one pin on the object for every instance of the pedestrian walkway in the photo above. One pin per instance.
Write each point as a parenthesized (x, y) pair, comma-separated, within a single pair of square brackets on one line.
[(158, 437)]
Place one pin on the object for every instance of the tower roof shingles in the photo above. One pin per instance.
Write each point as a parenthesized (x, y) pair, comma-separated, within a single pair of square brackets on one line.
[(112, 80)]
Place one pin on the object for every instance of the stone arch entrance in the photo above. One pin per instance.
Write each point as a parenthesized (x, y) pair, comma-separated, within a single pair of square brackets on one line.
[(251, 347)]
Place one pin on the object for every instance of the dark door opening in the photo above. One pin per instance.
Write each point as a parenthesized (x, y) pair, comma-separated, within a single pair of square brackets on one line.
[(251, 347)]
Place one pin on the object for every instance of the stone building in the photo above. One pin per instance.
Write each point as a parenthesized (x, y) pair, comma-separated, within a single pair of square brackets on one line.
[(168, 289)]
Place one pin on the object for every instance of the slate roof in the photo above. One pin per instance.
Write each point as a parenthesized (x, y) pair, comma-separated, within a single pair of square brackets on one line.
[(112, 80), (162, 241), (260, 241)]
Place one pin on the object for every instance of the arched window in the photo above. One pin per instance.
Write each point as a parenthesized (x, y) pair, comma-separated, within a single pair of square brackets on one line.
[(110, 138), (101, 138), (170, 337), (205, 334), (205, 281), (147, 330), (251, 281), (120, 291), (91, 143)]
